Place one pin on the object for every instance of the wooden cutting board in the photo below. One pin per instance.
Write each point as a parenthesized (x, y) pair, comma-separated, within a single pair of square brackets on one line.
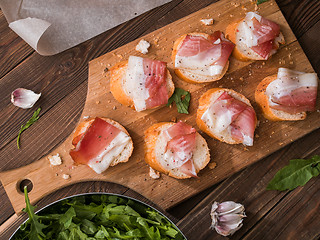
[(241, 76)]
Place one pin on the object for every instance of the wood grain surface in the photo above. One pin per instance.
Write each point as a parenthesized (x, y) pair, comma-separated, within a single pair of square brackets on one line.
[(271, 215)]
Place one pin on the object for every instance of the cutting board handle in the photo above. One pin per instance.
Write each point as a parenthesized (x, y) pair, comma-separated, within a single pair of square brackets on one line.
[(44, 179)]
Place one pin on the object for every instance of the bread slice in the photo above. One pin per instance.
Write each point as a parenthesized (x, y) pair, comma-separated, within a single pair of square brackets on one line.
[(242, 51), (83, 126), (117, 76), (204, 103), (155, 145), (188, 75), (269, 113)]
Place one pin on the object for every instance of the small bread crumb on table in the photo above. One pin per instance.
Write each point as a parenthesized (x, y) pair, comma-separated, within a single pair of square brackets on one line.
[(212, 165), (66, 176), (55, 160), (154, 174), (143, 46), (207, 22)]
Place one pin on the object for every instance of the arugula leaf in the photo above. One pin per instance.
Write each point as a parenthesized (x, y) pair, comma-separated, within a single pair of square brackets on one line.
[(36, 227), (261, 1), (182, 100), (297, 173), (31, 121), (66, 219)]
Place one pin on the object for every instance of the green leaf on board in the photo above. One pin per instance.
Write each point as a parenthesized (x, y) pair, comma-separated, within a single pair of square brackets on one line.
[(297, 173), (261, 1), (182, 100), (31, 121)]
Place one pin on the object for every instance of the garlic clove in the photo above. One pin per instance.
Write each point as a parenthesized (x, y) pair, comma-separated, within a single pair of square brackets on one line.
[(231, 218), (226, 230), (24, 98), (227, 217), (229, 207)]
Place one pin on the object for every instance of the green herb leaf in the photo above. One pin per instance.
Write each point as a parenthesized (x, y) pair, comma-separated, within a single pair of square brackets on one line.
[(297, 173), (35, 226), (261, 1), (182, 100), (31, 121)]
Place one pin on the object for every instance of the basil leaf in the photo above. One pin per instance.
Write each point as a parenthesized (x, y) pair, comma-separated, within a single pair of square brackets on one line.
[(182, 100), (31, 121), (297, 173), (261, 1)]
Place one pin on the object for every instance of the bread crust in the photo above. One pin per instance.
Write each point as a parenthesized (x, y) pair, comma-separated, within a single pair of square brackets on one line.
[(180, 73), (231, 31), (117, 73), (83, 126), (150, 140), (204, 103), (262, 100)]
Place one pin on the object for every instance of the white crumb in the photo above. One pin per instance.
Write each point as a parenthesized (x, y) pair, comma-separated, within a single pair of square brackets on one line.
[(143, 46), (85, 117), (55, 160), (154, 174), (207, 22), (66, 176)]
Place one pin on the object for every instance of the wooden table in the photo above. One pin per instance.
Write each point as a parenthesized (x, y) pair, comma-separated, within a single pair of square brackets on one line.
[(62, 80)]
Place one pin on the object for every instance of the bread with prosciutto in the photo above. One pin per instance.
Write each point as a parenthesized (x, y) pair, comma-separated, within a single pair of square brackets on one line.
[(256, 37), (227, 116), (288, 95), (200, 57), (100, 143), (141, 83), (175, 149)]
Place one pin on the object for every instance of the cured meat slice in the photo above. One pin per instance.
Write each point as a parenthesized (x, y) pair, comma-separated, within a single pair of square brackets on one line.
[(156, 74), (204, 55), (293, 91), (145, 82), (180, 146)]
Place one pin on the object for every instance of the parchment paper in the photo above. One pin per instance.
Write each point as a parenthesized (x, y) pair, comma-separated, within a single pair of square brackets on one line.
[(52, 26)]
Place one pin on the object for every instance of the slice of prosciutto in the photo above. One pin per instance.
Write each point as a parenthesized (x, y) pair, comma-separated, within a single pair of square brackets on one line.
[(204, 56), (293, 91), (145, 82), (181, 142), (260, 34), (227, 114), (99, 145)]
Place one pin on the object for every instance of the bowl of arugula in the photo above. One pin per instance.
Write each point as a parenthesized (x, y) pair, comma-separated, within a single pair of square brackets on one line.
[(96, 216)]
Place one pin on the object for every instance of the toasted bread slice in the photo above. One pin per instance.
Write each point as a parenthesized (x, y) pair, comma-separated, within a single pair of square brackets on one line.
[(155, 146), (188, 75), (117, 76), (204, 103), (269, 113), (242, 51), (83, 126)]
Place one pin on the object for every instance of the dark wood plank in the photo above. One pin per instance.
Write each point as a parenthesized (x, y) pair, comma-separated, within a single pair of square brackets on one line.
[(13, 50), (248, 188)]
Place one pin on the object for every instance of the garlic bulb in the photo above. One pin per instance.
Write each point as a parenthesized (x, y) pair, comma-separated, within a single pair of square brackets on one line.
[(227, 217), (24, 98)]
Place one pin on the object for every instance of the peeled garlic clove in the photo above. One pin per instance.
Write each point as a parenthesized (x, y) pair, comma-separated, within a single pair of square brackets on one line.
[(227, 217), (24, 98)]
